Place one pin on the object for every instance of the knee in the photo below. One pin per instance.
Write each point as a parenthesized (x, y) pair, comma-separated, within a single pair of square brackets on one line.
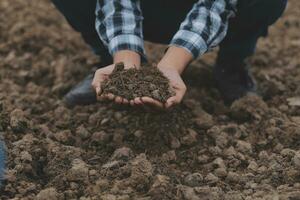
[(273, 9), (262, 12)]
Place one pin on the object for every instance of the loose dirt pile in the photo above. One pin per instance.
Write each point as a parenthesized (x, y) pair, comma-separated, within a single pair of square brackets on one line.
[(147, 81), (200, 150)]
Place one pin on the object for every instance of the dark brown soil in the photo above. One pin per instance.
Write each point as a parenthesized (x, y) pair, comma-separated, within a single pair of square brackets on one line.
[(200, 150), (146, 81)]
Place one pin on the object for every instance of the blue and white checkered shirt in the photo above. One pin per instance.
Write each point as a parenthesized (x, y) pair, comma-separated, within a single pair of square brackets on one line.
[(119, 24)]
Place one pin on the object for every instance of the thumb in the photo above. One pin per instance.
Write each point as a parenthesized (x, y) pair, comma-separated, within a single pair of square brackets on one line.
[(96, 83)]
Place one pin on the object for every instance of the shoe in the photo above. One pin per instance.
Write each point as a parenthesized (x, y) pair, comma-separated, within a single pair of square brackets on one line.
[(233, 80), (82, 93)]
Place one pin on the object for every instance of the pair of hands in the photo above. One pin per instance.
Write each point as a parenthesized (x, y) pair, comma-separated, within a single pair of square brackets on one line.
[(176, 84), (172, 65)]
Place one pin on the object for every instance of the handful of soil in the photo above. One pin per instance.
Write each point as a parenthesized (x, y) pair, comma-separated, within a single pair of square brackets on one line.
[(130, 83)]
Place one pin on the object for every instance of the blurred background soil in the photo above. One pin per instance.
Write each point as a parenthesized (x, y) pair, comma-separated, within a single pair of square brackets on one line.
[(200, 150)]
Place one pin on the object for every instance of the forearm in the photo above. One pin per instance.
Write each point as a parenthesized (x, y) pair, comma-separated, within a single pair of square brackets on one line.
[(205, 26), (177, 58), (119, 25)]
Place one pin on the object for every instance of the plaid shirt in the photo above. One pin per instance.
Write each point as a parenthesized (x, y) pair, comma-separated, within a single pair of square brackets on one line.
[(119, 25)]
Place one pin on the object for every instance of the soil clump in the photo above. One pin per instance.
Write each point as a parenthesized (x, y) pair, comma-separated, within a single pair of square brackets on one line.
[(131, 83)]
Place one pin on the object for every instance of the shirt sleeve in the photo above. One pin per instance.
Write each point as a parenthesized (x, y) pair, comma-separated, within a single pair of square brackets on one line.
[(205, 26), (119, 25)]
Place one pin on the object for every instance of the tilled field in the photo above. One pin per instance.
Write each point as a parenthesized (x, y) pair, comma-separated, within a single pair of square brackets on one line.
[(200, 150)]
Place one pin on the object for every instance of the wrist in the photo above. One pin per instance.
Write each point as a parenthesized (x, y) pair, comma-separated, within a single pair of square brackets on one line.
[(176, 58), (169, 65), (129, 58)]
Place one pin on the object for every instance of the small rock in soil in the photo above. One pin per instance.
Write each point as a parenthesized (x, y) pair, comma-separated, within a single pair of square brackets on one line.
[(202, 159), (190, 138), (220, 172), (138, 133), (109, 197), (252, 166), (193, 180), (100, 137), (204, 121), (174, 142), (219, 163), (18, 122), (244, 147), (208, 193), (232, 195), (160, 186), (111, 165), (188, 193), (25, 156), (82, 132), (79, 171), (64, 137), (233, 177), (48, 193), (248, 108), (141, 171), (211, 178), (296, 160), (169, 156), (287, 153), (123, 153)]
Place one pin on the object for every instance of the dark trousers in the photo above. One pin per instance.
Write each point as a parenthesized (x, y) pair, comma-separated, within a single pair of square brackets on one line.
[(162, 19), (2, 160)]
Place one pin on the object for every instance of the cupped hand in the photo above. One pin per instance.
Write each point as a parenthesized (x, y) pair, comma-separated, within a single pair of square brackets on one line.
[(176, 84), (101, 75)]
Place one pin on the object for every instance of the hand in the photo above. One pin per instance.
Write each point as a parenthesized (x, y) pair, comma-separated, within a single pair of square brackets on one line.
[(130, 59), (171, 65), (177, 85), (101, 75)]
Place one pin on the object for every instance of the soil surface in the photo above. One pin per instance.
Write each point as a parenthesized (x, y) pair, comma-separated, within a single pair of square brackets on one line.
[(147, 81), (200, 150)]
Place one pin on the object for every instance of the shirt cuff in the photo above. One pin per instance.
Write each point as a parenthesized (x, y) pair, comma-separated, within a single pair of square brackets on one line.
[(190, 41), (127, 42)]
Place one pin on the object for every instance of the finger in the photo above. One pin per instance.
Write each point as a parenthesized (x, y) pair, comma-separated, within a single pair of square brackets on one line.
[(110, 96), (104, 96), (171, 102), (148, 100), (98, 91), (96, 80), (131, 102), (177, 98), (100, 98), (118, 100), (138, 101), (125, 101)]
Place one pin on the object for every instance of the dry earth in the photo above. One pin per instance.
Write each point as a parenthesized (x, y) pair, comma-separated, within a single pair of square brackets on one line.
[(201, 150)]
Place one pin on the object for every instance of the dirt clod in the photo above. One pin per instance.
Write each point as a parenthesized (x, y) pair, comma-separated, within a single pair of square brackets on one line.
[(193, 180), (123, 153), (250, 107), (211, 178), (48, 193), (79, 171), (296, 160), (18, 122)]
